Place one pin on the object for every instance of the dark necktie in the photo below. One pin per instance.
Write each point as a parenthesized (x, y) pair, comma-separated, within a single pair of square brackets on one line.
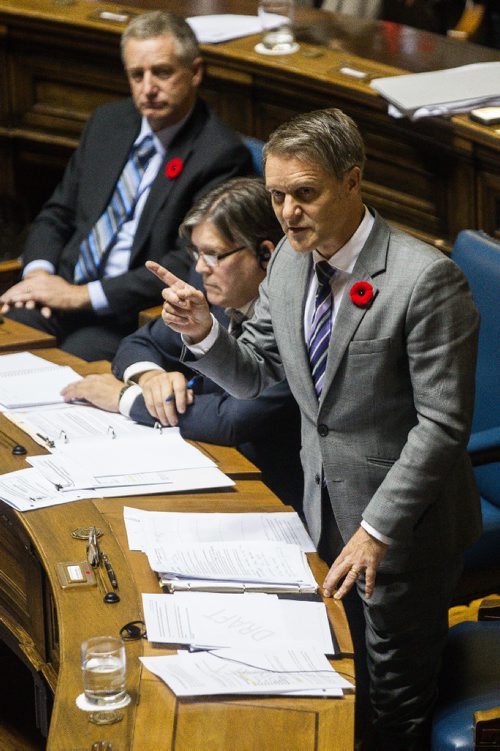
[(120, 209), (321, 325), (236, 321)]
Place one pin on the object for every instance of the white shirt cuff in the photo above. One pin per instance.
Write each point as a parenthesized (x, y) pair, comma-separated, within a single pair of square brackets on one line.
[(98, 299), (374, 533), (128, 399), (206, 344), (39, 265), (137, 368)]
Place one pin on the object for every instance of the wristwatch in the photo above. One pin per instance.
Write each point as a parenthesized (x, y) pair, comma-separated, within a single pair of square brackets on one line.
[(123, 389)]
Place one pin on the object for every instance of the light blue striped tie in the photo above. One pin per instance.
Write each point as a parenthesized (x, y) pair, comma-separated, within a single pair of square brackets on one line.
[(121, 208), (321, 325)]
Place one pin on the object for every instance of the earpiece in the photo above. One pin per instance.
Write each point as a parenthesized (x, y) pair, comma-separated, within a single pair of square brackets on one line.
[(263, 255)]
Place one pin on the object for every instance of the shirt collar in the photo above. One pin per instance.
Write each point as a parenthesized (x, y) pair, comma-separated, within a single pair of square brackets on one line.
[(345, 258), (246, 309), (164, 137)]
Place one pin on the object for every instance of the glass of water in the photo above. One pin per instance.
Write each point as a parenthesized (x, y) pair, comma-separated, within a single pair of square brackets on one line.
[(276, 18), (104, 672)]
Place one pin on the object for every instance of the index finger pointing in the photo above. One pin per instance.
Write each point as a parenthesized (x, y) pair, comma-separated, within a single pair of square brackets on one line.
[(162, 273)]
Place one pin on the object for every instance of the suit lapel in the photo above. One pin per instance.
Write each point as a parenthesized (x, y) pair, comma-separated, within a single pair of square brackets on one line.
[(117, 150), (180, 148), (370, 263)]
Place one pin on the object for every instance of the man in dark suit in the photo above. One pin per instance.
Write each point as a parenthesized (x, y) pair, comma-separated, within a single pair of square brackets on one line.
[(84, 278), (232, 231), (376, 333)]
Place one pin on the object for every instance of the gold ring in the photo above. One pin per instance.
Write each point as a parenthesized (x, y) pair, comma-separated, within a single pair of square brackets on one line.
[(28, 290)]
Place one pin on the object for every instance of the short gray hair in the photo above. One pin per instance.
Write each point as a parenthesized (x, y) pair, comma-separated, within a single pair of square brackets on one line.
[(159, 23), (329, 138), (240, 209)]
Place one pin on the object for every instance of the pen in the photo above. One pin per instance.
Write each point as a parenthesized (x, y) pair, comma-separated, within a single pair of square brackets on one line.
[(110, 571), (189, 385)]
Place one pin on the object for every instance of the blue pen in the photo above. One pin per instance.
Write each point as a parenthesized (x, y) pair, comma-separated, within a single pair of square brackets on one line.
[(189, 385)]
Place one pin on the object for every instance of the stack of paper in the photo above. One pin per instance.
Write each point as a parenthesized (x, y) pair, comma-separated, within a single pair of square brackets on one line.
[(202, 621), (233, 567), (149, 529), (285, 671), (441, 92)]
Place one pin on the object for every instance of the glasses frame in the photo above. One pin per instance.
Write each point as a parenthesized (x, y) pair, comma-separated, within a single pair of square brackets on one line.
[(212, 260)]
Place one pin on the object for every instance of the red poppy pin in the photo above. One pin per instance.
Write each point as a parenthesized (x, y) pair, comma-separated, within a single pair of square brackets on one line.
[(361, 294), (174, 168)]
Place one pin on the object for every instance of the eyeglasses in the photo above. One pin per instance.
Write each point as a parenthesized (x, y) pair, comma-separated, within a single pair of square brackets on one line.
[(209, 257)]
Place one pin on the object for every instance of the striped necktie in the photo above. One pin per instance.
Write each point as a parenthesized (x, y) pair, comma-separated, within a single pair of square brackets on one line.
[(120, 209), (321, 325)]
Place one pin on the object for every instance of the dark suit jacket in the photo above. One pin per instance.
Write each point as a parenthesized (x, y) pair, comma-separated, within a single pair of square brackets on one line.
[(211, 153), (266, 430), (390, 430)]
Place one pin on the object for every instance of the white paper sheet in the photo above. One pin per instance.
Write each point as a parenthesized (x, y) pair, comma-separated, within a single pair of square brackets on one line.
[(222, 27), (27, 490), (223, 620), (147, 529), (271, 563), (234, 672)]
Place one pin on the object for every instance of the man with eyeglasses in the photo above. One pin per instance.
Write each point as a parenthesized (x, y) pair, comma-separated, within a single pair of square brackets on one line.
[(231, 233), (141, 164)]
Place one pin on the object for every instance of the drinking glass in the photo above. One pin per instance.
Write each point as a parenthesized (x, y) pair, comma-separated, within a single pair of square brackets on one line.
[(103, 663), (276, 18)]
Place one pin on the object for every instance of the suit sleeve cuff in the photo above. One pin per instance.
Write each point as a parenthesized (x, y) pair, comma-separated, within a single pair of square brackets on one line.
[(374, 533), (201, 348)]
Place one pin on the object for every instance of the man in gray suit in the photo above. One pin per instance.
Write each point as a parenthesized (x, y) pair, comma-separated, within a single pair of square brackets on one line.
[(376, 334)]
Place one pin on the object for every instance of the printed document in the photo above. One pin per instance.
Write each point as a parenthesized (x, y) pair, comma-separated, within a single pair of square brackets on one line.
[(202, 621), (305, 672), (148, 529), (28, 380)]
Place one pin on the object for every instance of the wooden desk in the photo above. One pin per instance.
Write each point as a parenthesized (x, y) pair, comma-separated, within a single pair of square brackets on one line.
[(16, 337), (433, 177), (47, 623)]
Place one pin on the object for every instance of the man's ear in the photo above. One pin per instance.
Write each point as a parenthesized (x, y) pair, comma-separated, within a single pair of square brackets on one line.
[(264, 253), (353, 179), (197, 71)]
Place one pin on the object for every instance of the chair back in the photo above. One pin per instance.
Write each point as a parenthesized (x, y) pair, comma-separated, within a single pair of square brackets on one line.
[(478, 255), (255, 146)]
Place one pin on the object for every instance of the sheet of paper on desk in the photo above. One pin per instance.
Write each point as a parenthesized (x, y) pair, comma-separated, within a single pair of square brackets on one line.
[(128, 461), (146, 529), (57, 424), (68, 475), (42, 386), (204, 620), (28, 490), (247, 672), (235, 562), (222, 27)]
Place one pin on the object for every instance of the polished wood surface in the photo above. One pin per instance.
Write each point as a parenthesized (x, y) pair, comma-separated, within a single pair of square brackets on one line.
[(432, 177), (48, 623), (16, 337)]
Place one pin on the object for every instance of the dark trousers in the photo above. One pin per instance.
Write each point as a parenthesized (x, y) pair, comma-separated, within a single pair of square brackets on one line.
[(399, 636)]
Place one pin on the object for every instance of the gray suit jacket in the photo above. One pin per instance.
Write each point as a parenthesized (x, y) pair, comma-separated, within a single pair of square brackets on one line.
[(391, 428)]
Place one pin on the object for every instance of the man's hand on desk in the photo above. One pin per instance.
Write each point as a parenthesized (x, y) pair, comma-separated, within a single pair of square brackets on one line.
[(362, 554), (46, 291), (185, 309), (102, 391), (165, 395)]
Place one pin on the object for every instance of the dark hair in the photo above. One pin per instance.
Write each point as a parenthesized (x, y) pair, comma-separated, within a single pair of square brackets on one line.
[(240, 209), (159, 23), (329, 138)]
